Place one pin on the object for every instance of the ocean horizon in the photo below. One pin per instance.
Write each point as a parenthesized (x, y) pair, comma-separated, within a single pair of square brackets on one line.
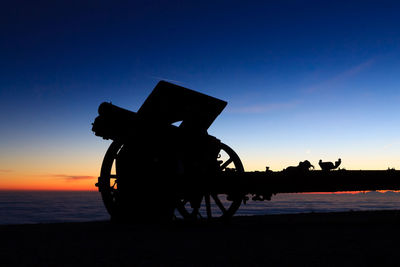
[(32, 207)]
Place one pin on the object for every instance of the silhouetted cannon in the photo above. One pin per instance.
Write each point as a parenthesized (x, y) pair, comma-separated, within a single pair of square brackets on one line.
[(162, 159), (154, 166)]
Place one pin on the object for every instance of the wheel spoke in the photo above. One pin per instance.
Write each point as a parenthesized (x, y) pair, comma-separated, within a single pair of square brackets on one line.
[(219, 203), (227, 157), (208, 205), (226, 163)]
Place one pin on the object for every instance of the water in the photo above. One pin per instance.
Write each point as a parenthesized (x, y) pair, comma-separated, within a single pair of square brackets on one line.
[(300, 203), (47, 207), (50, 206)]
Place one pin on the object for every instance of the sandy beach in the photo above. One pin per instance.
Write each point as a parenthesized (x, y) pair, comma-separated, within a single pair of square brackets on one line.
[(321, 239)]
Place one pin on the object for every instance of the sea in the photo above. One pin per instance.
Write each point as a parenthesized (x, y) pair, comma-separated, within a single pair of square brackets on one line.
[(33, 207)]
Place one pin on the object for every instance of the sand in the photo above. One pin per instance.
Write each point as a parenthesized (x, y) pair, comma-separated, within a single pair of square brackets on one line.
[(330, 239)]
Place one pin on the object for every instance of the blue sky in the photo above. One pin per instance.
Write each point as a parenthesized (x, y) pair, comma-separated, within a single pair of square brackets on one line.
[(304, 79)]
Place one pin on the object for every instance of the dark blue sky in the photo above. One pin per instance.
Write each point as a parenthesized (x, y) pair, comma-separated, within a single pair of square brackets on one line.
[(295, 73)]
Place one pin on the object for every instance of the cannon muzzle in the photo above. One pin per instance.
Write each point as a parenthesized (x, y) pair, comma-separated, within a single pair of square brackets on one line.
[(114, 122)]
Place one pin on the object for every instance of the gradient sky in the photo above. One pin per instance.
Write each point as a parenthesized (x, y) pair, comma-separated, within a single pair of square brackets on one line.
[(303, 80)]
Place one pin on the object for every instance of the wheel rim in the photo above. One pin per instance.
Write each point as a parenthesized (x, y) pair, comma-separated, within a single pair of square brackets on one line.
[(108, 180), (219, 206)]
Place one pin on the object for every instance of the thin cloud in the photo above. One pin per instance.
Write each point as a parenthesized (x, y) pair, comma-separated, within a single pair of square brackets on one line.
[(72, 177), (391, 145), (264, 108), (341, 76), (6, 170)]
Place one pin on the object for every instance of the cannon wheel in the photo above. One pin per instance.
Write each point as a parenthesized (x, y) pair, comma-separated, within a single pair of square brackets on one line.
[(108, 180), (108, 187), (225, 206)]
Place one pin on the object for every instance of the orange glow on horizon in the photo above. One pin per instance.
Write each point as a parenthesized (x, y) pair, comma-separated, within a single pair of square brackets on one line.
[(339, 192), (48, 188), (20, 181), (348, 192), (34, 182)]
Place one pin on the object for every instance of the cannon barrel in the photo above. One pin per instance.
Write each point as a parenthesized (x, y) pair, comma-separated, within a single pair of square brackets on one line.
[(168, 103), (115, 122)]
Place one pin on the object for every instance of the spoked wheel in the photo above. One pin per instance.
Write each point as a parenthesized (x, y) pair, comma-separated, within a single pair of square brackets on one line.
[(108, 181), (219, 206)]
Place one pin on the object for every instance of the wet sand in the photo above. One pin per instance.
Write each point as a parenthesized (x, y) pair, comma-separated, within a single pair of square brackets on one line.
[(324, 239)]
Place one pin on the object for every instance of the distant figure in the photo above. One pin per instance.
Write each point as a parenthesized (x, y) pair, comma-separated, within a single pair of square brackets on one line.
[(327, 166), (303, 166)]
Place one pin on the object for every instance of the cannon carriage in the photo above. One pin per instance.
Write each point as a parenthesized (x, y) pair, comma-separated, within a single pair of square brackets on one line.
[(162, 159)]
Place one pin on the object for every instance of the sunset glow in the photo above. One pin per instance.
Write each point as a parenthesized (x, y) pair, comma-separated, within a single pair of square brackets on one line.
[(311, 80), (47, 182)]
